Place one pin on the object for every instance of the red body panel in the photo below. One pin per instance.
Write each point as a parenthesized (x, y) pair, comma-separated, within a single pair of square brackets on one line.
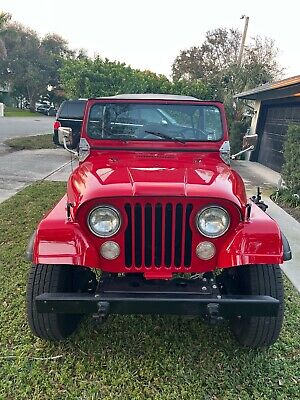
[(59, 241), (159, 174), (171, 173)]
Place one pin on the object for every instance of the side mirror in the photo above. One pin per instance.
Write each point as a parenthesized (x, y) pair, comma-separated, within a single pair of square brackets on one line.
[(65, 138), (249, 141)]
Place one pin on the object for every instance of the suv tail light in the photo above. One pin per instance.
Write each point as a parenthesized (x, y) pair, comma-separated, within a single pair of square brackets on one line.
[(56, 125)]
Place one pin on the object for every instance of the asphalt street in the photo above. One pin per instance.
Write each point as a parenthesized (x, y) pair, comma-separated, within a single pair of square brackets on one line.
[(24, 126)]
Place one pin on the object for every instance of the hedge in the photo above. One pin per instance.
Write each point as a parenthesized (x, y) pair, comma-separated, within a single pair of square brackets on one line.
[(291, 153)]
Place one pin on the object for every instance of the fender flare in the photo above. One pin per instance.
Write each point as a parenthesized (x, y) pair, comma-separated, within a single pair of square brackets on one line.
[(29, 249), (287, 252)]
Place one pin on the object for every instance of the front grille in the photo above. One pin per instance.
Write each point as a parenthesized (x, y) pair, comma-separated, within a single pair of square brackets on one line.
[(158, 235)]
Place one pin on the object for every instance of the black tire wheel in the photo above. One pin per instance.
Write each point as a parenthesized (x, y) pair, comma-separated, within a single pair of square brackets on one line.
[(45, 278), (264, 279)]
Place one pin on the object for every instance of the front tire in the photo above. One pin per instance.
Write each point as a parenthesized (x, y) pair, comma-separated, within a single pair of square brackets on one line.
[(45, 278), (262, 279)]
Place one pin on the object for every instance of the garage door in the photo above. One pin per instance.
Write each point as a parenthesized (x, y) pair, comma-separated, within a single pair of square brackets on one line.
[(278, 118)]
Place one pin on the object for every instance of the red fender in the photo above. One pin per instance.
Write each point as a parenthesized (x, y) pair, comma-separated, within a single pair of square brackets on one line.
[(257, 241), (59, 241)]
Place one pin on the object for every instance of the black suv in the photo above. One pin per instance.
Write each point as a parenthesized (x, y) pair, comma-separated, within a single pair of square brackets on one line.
[(70, 115)]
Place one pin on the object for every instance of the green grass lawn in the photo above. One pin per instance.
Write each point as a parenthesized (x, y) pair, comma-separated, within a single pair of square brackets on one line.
[(31, 142), (17, 112), (129, 357)]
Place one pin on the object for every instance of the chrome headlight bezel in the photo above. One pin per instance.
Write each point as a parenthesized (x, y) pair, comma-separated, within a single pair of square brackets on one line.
[(114, 211), (203, 210)]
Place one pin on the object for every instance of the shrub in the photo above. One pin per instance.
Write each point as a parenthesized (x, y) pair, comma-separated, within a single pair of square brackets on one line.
[(96, 77), (291, 153), (237, 130), (286, 197)]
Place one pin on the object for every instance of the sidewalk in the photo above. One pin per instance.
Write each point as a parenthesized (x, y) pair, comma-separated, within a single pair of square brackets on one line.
[(291, 228), (20, 168)]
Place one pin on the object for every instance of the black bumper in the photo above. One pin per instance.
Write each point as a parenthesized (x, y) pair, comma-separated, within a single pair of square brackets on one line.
[(226, 306), (137, 296)]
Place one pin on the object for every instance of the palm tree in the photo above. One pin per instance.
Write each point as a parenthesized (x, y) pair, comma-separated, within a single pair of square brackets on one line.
[(4, 19)]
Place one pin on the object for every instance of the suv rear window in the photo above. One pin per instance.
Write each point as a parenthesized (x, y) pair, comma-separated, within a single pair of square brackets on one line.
[(72, 109)]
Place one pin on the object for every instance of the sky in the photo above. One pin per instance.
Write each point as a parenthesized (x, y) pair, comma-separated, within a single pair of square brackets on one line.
[(150, 34)]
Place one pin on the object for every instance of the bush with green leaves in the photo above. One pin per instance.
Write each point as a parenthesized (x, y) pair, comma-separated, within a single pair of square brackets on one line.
[(237, 130), (86, 77), (291, 153)]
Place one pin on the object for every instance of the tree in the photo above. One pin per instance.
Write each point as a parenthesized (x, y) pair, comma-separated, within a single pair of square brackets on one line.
[(86, 77), (55, 49), (215, 63), (219, 50), (4, 19), (31, 64)]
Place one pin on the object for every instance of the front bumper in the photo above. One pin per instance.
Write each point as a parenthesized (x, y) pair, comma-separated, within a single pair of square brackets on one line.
[(137, 296)]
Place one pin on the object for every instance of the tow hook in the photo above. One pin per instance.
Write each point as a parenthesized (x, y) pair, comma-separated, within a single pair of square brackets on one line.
[(103, 311), (213, 315)]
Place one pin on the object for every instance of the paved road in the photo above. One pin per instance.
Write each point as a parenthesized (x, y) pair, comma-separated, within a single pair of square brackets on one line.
[(24, 126)]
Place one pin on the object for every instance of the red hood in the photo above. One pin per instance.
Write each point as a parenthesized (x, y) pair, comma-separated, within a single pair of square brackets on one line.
[(165, 174)]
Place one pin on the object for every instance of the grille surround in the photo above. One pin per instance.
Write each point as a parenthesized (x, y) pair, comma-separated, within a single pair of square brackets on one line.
[(158, 234)]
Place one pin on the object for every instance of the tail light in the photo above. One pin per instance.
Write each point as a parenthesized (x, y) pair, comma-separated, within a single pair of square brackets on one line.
[(56, 125)]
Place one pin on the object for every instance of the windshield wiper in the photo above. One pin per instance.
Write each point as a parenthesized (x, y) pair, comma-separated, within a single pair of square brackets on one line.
[(165, 136)]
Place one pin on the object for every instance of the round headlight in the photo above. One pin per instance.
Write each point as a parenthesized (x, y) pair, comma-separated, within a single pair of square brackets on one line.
[(110, 250), (104, 221), (205, 250), (212, 221)]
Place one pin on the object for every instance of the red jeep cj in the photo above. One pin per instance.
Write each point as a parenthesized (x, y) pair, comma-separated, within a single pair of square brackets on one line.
[(155, 206)]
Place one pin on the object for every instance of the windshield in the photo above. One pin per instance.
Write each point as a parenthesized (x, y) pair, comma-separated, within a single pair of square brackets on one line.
[(172, 122)]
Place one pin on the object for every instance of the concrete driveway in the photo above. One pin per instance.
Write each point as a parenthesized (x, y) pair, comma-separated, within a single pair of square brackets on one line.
[(20, 168)]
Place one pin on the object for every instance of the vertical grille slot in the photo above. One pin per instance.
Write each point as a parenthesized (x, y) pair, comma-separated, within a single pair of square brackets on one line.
[(128, 237), (168, 235), (148, 235), (178, 235), (158, 235), (138, 235), (188, 237)]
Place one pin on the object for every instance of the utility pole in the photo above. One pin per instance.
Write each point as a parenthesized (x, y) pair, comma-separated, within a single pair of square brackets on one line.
[(243, 39)]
